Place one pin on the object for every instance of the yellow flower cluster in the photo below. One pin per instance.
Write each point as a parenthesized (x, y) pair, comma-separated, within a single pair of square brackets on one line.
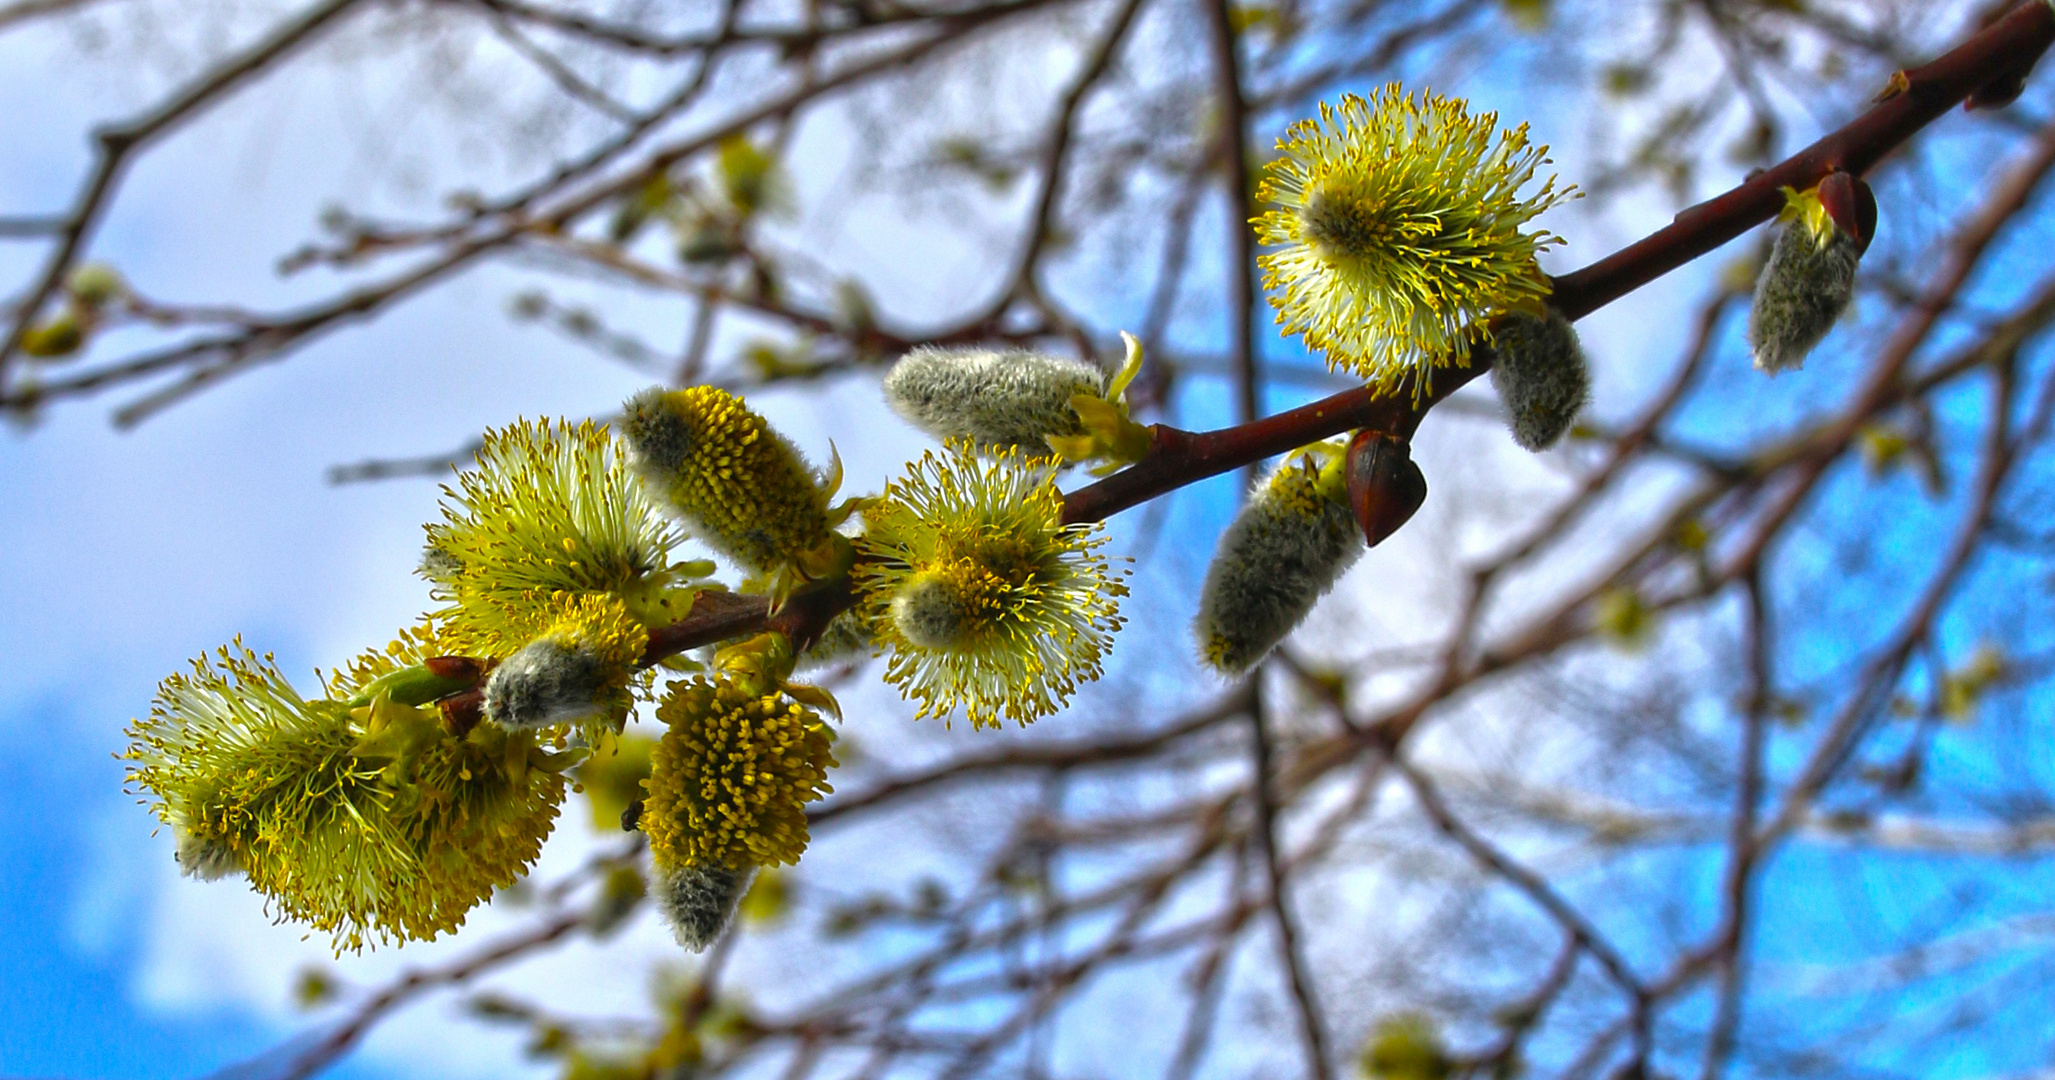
[(1398, 232), (985, 598), (551, 508), (372, 824), (738, 485), (730, 780)]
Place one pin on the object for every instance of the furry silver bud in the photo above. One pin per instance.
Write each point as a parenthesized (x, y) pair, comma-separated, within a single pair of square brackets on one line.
[(206, 858), (549, 681), (439, 565), (1540, 375), (995, 398), (845, 639), (1288, 546), (699, 901), (932, 613), (1803, 288)]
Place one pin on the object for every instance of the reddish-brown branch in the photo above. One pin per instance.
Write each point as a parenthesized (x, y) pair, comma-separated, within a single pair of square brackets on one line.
[(1177, 457), (1181, 457)]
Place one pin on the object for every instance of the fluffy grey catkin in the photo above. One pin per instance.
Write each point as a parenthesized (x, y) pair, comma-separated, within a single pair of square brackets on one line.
[(845, 639), (1803, 289), (931, 613), (995, 398), (699, 901), (547, 682), (205, 858), (1282, 553), (1540, 375)]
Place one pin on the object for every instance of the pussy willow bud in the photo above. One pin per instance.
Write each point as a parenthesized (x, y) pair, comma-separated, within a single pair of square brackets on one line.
[(1539, 374), (1810, 276), (1385, 486), (1288, 547), (845, 640), (206, 858), (699, 901), (546, 682), (996, 398), (577, 671), (935, 610)]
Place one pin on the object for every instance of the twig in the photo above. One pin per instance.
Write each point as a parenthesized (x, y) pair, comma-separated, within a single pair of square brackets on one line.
[(1055, 155), (419, 981), (116, 142), (1241, 248), (1311, 1025), (24, 10), (1732, 936), (1049, 756), (1520, 877)]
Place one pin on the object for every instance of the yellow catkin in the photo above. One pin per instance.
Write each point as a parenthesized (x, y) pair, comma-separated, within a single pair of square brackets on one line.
[(549, 509), (736, 483), (986, 601), (373, 825), (731, 777), (1397, 232)]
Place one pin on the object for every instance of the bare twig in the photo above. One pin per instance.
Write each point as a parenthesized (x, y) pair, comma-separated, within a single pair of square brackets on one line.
[(116, 143)]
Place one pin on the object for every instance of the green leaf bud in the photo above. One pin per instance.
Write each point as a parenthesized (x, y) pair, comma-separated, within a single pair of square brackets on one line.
[(61, 335), (1406, 1047), (620, 893), (93, 284), (699, 901), (748, 176), (634, 210), (1282, 553), (706, 237), (1540, 375), (996, 398), (419, 684)]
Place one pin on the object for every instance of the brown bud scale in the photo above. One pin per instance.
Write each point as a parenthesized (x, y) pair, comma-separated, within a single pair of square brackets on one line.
[(1385, 486)]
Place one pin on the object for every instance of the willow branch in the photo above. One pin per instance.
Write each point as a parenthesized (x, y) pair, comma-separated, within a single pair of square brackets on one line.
[(1177, 457), (1241, 260), (117, 142), (1181, 457), (339, 1041)]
